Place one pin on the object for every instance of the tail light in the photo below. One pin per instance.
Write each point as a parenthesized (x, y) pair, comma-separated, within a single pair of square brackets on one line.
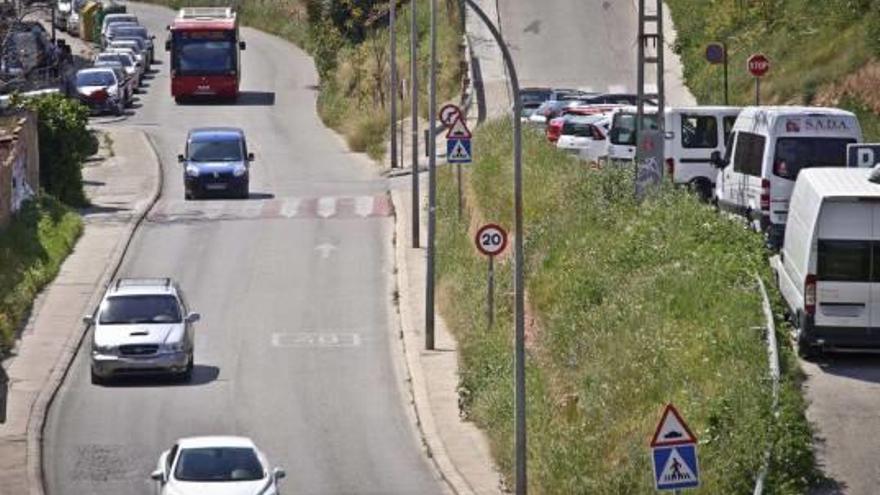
[(810, 294), (99, 95), (670, 167), (765, 194)]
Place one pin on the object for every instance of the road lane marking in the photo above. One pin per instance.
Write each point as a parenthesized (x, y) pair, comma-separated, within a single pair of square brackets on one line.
[(363, 206), (326, 207), (291, 207), (316, 340)]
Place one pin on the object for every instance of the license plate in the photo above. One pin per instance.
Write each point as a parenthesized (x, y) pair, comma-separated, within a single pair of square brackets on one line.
[(215, 187)]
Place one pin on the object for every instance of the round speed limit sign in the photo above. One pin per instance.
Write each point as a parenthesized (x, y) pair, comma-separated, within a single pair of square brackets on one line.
[(491, 239)]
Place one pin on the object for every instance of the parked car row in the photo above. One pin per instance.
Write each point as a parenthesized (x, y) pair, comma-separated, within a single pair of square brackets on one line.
[(118, 70)]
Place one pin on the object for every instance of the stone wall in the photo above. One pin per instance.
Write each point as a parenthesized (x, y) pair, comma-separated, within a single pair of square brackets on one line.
[(19, 163)]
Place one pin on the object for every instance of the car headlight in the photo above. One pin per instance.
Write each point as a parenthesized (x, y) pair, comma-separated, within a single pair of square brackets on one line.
[(104, 349), (173, 347), (192, 171), (239, 170)]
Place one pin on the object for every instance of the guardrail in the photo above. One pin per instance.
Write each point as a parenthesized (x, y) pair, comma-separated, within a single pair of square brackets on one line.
[(773, 358), (5, 100)]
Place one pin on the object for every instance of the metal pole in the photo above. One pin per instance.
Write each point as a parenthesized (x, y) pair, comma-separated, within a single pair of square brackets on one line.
[(757, 91), (490, 296), (53, 21), (458, 180), (432, 183), (726, 98), (640, 90), (661, 80), (414, 97), (392, 21), (519, 281)]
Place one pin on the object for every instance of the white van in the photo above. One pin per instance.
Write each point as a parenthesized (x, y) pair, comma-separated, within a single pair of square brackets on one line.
[(829, 269), (692, 135), (622, 136), (770, 146)]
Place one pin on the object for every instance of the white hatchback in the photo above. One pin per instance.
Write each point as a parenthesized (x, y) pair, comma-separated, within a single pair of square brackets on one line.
[(211, 465)]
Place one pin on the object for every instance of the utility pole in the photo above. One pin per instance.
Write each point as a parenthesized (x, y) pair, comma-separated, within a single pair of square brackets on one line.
[(432, 183), (649, 142), (519, 257), (392, 26), (414, 96)]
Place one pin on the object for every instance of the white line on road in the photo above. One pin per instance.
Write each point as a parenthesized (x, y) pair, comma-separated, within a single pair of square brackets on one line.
[(290, 207), (363, 206), (326, 207), (316, 339)]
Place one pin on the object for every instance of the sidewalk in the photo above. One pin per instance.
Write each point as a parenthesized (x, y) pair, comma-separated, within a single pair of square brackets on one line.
[(458, 448), (121, 190)]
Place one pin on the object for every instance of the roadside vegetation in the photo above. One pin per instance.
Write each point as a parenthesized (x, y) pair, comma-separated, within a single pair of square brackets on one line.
[(821, 52), (630, 306), (32, 249), (349, 42)]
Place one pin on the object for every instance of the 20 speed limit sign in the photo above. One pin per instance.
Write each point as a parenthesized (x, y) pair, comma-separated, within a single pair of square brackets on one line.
[(491, 239)]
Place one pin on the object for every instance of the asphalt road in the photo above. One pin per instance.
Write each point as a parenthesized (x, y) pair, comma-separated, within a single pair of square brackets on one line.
[(584, 44), (294, 348)]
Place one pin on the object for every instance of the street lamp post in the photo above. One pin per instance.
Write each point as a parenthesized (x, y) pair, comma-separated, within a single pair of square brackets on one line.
[(432, 183), (519, 281), (393, 93), (414, 96)]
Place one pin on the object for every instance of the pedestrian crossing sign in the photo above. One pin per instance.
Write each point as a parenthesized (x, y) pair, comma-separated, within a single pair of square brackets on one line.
[(676, 467), (458, 150)]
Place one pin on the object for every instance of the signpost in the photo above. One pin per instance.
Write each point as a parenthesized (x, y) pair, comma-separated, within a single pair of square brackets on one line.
[(674, 453), (449, 114), (863, 155), (458, 143), (758, 65), (716, 53), (491, 239)]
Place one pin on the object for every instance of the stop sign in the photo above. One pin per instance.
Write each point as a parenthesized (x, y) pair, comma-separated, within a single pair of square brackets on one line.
[(758, 64)]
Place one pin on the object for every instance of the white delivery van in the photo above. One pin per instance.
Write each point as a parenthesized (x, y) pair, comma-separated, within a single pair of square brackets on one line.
[(692, 135), (622, 136), (770, 146), (829, 269)]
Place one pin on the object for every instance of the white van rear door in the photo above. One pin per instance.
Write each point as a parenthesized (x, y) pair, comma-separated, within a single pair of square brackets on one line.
[(874, 325), (844, 250), (695, 138)]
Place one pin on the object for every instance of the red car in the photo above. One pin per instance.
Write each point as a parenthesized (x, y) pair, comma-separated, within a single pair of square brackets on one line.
[(554, 127)]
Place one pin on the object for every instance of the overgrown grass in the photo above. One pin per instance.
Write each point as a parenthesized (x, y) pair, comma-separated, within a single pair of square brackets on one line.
[(354, 99), (630, 306), (32, 249)]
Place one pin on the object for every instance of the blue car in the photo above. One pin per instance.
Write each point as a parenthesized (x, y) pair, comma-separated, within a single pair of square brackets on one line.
[(216, 161)]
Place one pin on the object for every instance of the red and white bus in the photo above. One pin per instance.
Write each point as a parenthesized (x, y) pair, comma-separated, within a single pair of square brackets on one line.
[(205, 53)]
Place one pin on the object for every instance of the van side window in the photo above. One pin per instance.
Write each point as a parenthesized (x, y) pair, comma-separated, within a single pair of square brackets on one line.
[(728, 122), (794, 154), (699, 131), (844, 261), (749, 153)]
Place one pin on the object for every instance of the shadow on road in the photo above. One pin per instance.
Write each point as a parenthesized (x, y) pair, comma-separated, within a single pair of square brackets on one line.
[(261, 195), (864, 367), (202, 375)]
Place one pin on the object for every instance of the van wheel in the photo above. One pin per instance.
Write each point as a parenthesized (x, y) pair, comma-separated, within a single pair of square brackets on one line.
[(805, 349), (702, 188)]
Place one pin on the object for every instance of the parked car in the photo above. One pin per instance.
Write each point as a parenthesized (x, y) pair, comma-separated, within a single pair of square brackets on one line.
[(829, 268), (770, 146), (548, 111), (136, 45), (139, 68), (692, 135), (132, 71), (584, 135), (214, 465), (142, 327), (100, 90), (129, 85), (216, 160), (111, 19), (126, 30)]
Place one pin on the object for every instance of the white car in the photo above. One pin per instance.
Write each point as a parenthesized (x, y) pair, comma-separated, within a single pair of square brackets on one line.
[(141, 70), (212, 465), (584, 136), (142, 327)]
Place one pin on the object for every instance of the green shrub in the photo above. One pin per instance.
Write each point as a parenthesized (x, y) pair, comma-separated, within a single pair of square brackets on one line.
[(32, 249), (65, 143)]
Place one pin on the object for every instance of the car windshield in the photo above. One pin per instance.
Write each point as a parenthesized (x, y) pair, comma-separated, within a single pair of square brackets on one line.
[(126, 44), (215, 150), (115, 57), (126, 31), (218, 464), (128, 310), (796, 154), (96, 78), (625, 127), (579, 125)]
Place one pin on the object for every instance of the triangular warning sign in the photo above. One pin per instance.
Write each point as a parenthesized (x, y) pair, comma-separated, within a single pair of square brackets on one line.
[(672, 430), (676, 470), (459, 153), (458, 130)]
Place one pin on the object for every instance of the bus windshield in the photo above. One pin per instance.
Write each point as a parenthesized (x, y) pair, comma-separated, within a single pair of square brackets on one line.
[(204, 52)]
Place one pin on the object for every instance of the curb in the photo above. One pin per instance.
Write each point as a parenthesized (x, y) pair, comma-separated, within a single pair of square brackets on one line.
[(40, 408)]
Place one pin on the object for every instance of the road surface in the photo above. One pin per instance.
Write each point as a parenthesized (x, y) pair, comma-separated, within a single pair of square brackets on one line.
[(294, 347)]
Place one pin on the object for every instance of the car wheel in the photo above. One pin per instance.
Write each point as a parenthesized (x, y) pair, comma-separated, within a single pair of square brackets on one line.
[(97, 379), (188, 372), (244, 192)]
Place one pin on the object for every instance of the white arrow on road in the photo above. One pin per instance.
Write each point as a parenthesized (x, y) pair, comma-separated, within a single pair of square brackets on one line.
[(326, 249)]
